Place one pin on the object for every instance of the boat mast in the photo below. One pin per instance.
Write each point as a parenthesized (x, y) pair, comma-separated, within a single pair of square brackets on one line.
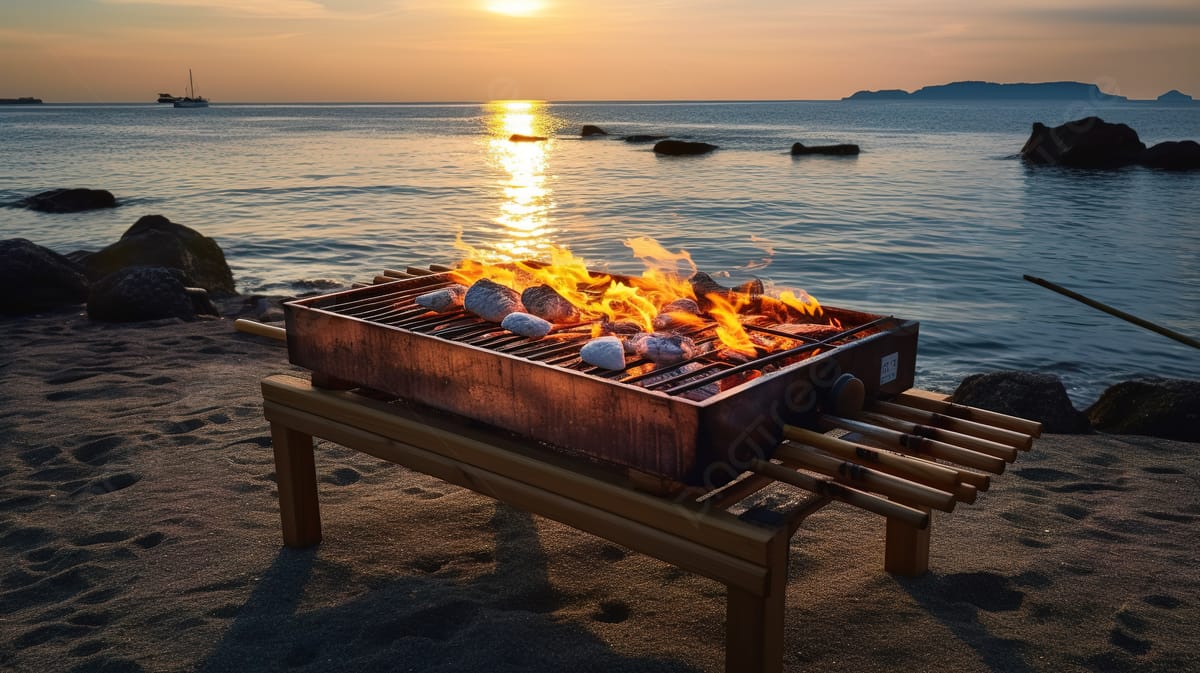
[(191, 86)]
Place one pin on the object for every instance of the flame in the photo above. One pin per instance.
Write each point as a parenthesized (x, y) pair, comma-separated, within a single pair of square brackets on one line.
[(602, 299), (730, 330)]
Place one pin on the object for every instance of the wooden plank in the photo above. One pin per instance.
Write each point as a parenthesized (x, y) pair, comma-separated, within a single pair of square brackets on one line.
[(754, 624), (575, 479), (906, 549), (927, 394), (749, 577), (296, 476)]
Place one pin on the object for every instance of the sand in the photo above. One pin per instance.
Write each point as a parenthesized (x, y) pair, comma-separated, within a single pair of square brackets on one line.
[(139, 532)]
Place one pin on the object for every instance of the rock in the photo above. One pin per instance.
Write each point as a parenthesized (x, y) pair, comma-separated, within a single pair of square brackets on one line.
[(146, 293), (1180, 155), (1085, 143), (1167, 408), (836, 150), (589, 130), (69, 200), (518, 138), (33, 278), (1038, 397), (682, 148), (644, 138), (156, 241)]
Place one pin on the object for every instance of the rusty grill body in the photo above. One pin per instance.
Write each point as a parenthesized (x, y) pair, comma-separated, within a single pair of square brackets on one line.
[(377, 337)]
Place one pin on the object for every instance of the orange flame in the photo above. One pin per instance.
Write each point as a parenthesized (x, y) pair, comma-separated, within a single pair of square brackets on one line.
[(600, 297)]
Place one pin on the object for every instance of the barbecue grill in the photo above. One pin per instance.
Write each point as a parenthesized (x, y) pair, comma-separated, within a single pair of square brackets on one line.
[(698, 423)]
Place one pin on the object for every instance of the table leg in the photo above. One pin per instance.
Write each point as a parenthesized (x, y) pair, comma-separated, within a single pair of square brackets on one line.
[(754, 623), (906, 550), (296, 475)]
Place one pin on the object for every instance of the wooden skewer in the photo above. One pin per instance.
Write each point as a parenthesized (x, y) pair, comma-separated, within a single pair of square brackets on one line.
[(440, 268), (914, 469), (259, 329), (380, 280), (901, 490), (915, 444), (418, 271), (392, 273), (841, 492), (985, 446), (1015, 439), (358, 286), (965, 412)]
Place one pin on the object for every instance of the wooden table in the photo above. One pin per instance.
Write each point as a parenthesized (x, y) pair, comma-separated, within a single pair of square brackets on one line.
[(698, 535)]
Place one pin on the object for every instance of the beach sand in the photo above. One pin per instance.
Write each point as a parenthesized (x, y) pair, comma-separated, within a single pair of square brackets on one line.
[(139, 531)]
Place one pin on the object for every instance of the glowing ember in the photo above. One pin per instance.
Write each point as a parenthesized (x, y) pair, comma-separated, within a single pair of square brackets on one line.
[(647, 303)]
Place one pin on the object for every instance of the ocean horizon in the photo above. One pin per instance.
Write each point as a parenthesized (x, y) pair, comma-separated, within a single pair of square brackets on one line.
[(936, 220)]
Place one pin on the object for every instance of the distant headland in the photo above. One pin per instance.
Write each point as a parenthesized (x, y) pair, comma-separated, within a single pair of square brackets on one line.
[(977, 90), (24, 100)]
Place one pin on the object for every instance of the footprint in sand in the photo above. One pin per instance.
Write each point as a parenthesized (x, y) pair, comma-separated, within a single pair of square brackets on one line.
[(1164, 601), (986, 591), (612, 553), (39, 456), (611, 612), (343, 476), (109, 484), (95, 451)]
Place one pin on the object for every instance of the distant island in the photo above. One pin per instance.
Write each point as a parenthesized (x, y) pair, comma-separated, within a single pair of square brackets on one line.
[(24, 100), (974, 90)]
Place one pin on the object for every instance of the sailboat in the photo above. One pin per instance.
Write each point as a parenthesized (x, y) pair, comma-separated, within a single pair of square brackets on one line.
[(191, 100)]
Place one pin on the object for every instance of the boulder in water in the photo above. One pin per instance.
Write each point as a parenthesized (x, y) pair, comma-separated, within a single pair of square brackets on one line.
[(147, 293), (1038, 397), (590, 130), (69, 200), (156, 241), (834, 150), (1085, 143), (1167, 408), (33, 278), (682, 148), (1182, 155)]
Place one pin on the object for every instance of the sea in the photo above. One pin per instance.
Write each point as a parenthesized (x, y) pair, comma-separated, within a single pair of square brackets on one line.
[(937, 220)]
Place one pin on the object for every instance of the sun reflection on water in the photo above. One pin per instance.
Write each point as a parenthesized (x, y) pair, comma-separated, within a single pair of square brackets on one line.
[(526, 198)]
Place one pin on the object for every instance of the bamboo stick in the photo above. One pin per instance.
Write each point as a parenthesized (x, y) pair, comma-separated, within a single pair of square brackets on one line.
[(985, 446), (418, 271), (440, 268), (1018, 440), (842, 493), (915, 444), (392, 273), (380, 280), (1014, 423), (914, 469), (895, 488), (1140, 322), (259, 329)]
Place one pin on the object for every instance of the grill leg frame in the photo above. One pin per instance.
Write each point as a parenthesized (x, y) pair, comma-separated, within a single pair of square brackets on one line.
[(296, 476)]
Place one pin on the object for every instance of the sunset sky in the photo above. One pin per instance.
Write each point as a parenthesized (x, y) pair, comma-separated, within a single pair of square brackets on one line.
[(473, 50)]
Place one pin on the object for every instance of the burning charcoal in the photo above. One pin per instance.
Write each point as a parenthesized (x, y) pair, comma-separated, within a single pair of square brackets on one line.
[(543, 302), (491, 300), (676, 314), (604, 352), (621, 327), (703, 284), (662, 349), (526, 325), (684, 305), (443, 299)]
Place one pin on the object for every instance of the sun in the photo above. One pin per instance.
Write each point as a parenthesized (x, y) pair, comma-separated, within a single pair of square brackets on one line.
[(515, 7)]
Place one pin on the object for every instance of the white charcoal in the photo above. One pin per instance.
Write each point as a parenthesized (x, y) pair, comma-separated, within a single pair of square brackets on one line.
[(443, 299), (663, 349), (526, 325), (491, 300), (544, 302), (604, 352)]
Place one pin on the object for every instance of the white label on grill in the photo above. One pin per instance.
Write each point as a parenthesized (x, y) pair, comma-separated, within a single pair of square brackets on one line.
[(888, 366)]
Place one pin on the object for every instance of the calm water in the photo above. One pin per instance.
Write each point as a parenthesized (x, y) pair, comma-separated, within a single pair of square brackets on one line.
[(935, 221)]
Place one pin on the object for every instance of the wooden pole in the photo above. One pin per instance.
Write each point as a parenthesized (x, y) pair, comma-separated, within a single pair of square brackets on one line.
[(895, 488), (1022, 425), (983, 446), (999, 435), (259, 329), (841, 492), (1140, 322)]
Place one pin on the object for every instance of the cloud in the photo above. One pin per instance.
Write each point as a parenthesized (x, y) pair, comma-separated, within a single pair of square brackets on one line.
[(279, 9)]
